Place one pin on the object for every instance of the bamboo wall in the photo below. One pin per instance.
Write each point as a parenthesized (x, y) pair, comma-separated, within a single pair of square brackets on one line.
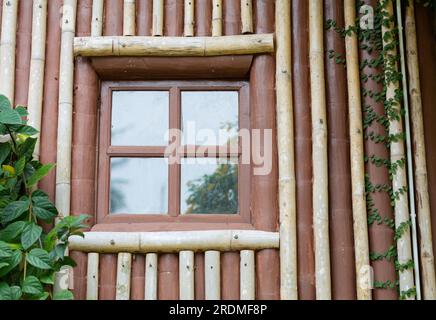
[(204, 20)]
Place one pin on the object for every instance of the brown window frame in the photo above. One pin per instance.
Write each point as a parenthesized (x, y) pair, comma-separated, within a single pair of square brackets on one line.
[(173, 220)]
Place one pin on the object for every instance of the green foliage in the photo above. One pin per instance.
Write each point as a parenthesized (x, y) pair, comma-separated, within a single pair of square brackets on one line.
[(29, 257)]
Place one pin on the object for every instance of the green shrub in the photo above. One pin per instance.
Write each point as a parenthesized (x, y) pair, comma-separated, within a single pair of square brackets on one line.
[(29, 257)]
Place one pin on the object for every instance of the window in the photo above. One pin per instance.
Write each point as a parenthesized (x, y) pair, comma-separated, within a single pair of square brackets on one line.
[(169, 151)]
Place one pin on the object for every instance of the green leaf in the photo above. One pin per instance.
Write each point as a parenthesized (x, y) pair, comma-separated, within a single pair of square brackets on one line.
[(43, 208), (19, 166), (5, 104), (39, 259), (32, 286), (12, 231), (30, 235), (5, 250), (22, 111), (39, 174), (10, 116), (3, 264), (27, 130), (26, 148), (9, 293), (13, 261), (5, 151), (14, 210), (47, 278), (63, 295), (68, 261)]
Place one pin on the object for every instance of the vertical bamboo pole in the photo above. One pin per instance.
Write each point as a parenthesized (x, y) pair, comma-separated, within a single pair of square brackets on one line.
[(189, 18), (97, 18), (397, 153), (158, 17), (285, 134), (7, 48), (124, 268), (247, 16), (360, 226), (65, 115), (150, 276), (37, 65), (186, 274), (129, 21), (92, 277), (217, 18), (212, 270), (247, 268), (421, 183), (319, 155)]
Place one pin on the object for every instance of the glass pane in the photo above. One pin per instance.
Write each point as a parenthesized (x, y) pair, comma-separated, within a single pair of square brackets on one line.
[(209, 185), (139, 186), (140, 118), (210, 117)]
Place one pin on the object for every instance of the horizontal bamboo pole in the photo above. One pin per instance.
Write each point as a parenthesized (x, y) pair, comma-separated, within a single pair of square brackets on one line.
[(7, 48), (158, 17), (97, 18), (150, 276), (226, 240), (217, 18), (92, 276), (186, 275), (124, 268), (212, 275), (37, 65), (247, 16), (174, 46), (247, 269), (189, 18), (129, 20)]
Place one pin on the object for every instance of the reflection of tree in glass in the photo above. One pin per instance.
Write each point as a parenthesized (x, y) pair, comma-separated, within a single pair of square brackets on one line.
[(215, 193), (117, 197)]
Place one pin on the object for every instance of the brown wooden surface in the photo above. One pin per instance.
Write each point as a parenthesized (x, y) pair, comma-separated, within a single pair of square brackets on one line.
[(203, 18), (144, 9), (343, 273), (137, 285), (303, 150), (113, 17)]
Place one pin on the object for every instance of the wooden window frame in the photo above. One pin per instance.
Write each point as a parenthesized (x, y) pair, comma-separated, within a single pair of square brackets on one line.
[(173, 220)]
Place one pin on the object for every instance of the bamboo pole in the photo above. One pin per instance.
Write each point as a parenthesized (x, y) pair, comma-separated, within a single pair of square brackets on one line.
[(285, 135), (247, 269), (397, 153), (158, 17), (217, 18), (129, 20), (360, 226), (186, 275), (97, 18), (7, 48), (150, 276), (92, 276), (173, 46), (212, 270), (421, 185), (225, 240), (319, 154), (189, 18), (37, 66), (247, 16), (124, 267)]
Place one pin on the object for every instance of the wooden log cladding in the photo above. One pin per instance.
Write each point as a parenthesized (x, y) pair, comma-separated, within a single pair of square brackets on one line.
[(92, 276), (97, 18), (397, 154), (381, 236), (150, 276), (231, 17), (248, 275), (203, 18), (212, 269), (303, 150), (319, 156), (129, 20), (137, 289), (158, 17), (189, 18), (7, 48), (285, 134), (168, 277), (37, 65), (247, 16), (174, 46), (217, 18), (186, 275), (113, 19), (134, 242), (144, 17), (340, 208), (420, 172), (124, 268), (360, 227)]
